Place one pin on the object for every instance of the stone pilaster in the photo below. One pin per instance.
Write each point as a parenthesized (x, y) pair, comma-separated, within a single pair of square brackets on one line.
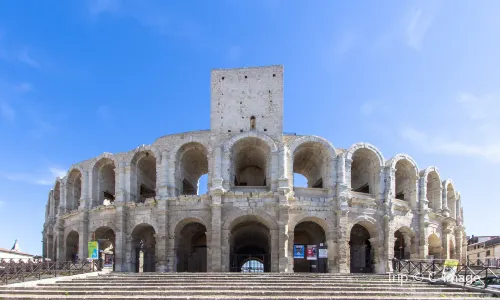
[(83, 235), (291, 237), (331, 244), (61, 250), (215, 263), (274, 250), (343, 240), (283, 235), (161, 237), (388, 243), (121, 264)]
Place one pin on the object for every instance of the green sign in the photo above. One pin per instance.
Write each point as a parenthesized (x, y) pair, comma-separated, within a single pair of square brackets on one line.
[(93, 250)]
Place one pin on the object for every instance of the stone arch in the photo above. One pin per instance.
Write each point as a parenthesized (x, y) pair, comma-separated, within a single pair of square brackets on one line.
[(143, 246), (373, 227), (94, 226), (256, 215), (432, 187), (405, 172), (228, 145), (191, 162), (143, 176), (320, 221), (404, 243), (187, 220), (434, 246), (73, 189), (314, 158), (72, 240), (451, 197), (366, 163), (103, 179)]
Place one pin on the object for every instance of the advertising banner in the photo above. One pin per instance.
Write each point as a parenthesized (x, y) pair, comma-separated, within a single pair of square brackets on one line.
[(322, 253), (312, 252), (298, 251), (93, 248)]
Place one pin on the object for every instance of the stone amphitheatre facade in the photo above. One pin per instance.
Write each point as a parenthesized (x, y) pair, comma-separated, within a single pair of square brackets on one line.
[(144, 205)]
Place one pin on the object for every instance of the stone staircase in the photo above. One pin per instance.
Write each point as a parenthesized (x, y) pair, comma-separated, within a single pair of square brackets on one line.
[(235, 286)]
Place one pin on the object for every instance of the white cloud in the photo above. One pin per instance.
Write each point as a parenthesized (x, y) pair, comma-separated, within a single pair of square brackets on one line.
[(25, 57), (47, 177), (440, 145), (417, 24), (471, 125)]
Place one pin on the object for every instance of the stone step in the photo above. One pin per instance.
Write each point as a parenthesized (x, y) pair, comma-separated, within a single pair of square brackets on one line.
[(247, 288), (238, 293), (227, 297), (237, 284)]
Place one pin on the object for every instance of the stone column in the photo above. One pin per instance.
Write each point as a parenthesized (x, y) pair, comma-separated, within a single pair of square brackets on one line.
[(171, 255), (274, 250), (83, 235), (120, 238), (347, 172), (215, 263), (62, 200), (389, 243), (162, 180), (444, 202), (225, 250), (171, 180), (343, 240), (283, 239), (291, 237), (332, 247), (84, 197), (445, 253), (161, 237), (61, 249), (458, 244), (424, 219)]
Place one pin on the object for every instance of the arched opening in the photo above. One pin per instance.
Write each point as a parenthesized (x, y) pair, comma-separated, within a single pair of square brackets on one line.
[(360, 250), (402, 244), (73, 190), (143, 245), (405, 180), (143, 177), (250, 241), (434, 247), (309, 246), (57, 198), (364, 171), (191, 246), (203, 184), (311, 160), (104, 182), (72, 246), (434, 191), (106, 238), (451, 200), (191, 164), (250, 161)]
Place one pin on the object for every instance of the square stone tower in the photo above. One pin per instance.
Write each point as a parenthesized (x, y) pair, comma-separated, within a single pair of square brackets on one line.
[(247, 99)]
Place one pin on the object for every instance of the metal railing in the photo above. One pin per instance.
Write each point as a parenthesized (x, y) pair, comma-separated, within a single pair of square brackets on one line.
[(20, 271), (435, 270)]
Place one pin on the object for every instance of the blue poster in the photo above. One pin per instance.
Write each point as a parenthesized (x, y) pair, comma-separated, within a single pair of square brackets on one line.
[(298, 251)]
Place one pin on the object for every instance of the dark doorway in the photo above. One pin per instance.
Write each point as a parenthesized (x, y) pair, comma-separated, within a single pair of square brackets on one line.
[(361, 250), (309, 234), (250, 247), (399, 245), (192, 248), (143, 240)]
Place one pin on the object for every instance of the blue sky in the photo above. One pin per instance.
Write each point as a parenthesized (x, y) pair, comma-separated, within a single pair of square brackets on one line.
[(78, 78)]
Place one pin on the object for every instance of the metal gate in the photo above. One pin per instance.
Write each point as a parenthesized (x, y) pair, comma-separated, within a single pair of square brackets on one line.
[(250, 263)]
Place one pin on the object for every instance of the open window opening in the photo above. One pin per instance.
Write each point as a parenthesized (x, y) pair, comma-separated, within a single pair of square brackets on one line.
[(434, 191), (191, 165), (404, 179), (364, 171), (250, 160), (104, 182), (143, 176), (73, 190)]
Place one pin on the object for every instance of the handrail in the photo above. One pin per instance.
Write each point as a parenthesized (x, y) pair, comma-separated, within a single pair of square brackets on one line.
[(19, 270), (435, 270)]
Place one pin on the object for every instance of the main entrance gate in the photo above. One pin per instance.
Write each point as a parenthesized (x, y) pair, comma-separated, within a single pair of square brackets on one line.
[(250, 248)]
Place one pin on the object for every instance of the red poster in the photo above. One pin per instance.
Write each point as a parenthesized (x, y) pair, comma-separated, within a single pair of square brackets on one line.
[(312, 252)]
